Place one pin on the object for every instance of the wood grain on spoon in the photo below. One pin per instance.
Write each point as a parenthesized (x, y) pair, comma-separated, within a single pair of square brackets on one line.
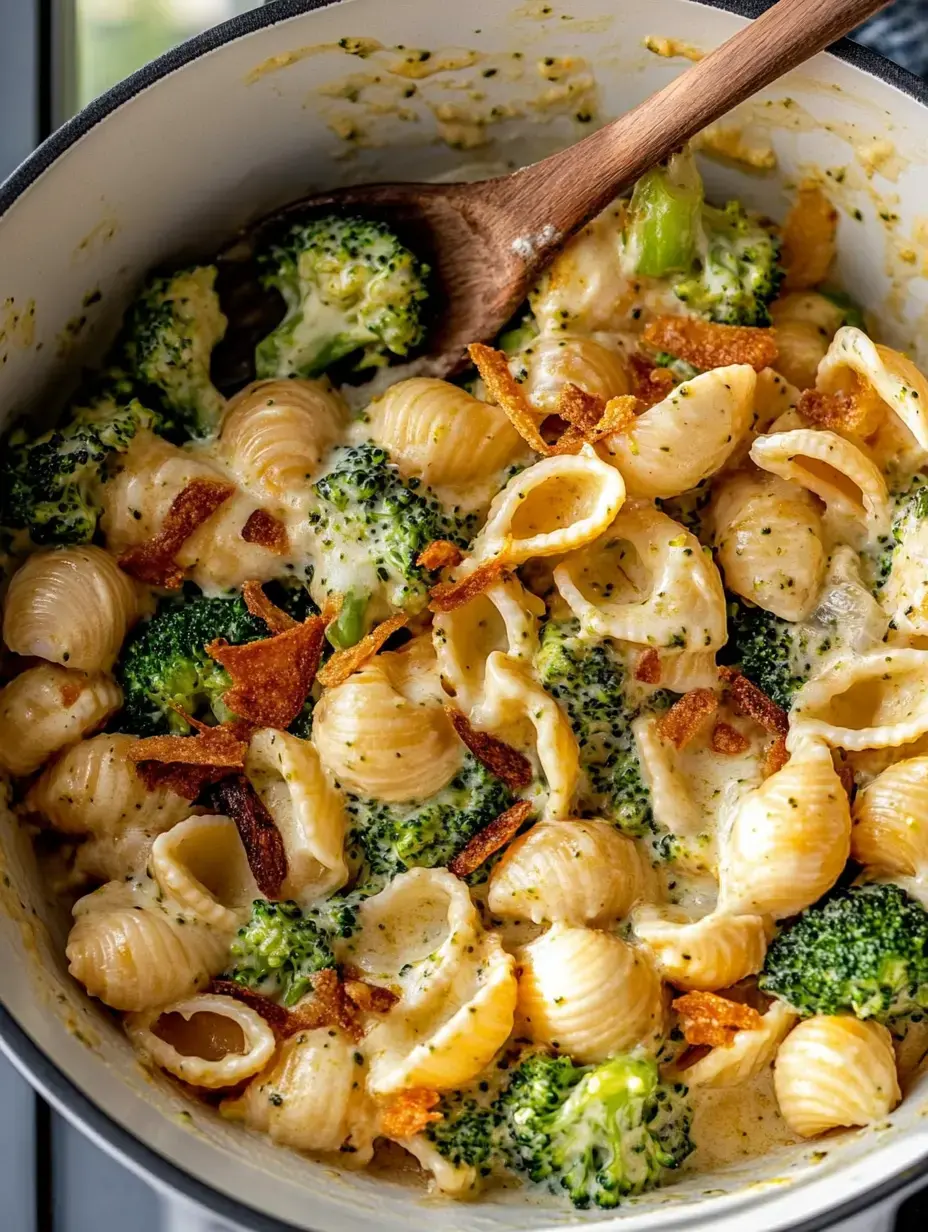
[(489, 240)]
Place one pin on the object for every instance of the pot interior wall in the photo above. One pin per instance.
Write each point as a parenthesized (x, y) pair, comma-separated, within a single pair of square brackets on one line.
[(188, 157)]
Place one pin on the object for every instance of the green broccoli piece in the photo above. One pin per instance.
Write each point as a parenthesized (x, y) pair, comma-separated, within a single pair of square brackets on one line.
[(600, 1132), (166, 344), (364, 501), (777, 655), (588, 679), (663, 224), (351, 289), (862, 950), (278, 951), (50, 484), (852, 311), (471, 1131), (521, 330), (387, 839)]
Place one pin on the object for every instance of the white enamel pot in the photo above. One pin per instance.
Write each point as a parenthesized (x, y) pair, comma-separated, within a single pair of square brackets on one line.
[(165, 166)]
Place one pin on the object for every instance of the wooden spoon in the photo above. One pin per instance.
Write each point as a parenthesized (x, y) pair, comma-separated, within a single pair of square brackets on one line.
[(489, 240)]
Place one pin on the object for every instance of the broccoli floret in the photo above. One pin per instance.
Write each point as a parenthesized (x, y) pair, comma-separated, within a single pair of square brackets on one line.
[(588, 680), (777, 655), (471, 1132), (663, 224), (862, 950), (278, 951), (166, 343), (49, 484), (522, 330), (387, 839), (599, 1132), (364, 501), (351, 289)]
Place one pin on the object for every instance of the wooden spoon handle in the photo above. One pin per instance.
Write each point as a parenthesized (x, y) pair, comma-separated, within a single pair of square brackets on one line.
[(553, 198)]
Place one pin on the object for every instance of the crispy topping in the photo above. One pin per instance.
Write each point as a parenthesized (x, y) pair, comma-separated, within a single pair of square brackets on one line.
[(264, 847), (448, 596), (152, 562), (727, 739), (776, 757), (579, 408), (369, 998), (273, 1014), (491, 839), (260, 605), (707, 345), (506, 392), (345, 663), (753, 702), (271, 678), (650, 384), (590, 418), (648, 667), (409, 1112), (808, 238), (267, 531), (686, 716), (328, 1007), (841, 412), (440, 554), (186, 764), (499, 758), (707, 1018)]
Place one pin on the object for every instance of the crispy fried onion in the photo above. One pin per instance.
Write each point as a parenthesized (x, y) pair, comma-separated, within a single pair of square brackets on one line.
[(152, 562), (369, 998), (345, 663), (728, 740), (267, 531), (707, 345), (409, 1112), (754, 703), (650, 384), (590, 418), (506, 392), (681, 723), (707, 1018), (501, 759), (491, 839), (440, 554), (264, 847), (448, 596), (648, 667), (271, 678), (776, 757), (186, 764), (260, 605), (841, 412)]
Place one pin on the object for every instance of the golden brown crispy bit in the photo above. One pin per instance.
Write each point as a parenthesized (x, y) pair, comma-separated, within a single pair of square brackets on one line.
[(260, 605), (506, 392), (499, 758), (264, 847), (440, 554), (648, 667), (576, 406), (754, 703), (448, 596), (707, 1018), (328, 1007), (808, 238), (267, 531), (841, 412), (495, 836), (186, 764), (590, 418), (152, 562), (409, 1112), (707, 345), (686, 716), (370, 998), (273, 1014), (776, 757), (345, 663), (650, 384), (727, 739), (271, 678)]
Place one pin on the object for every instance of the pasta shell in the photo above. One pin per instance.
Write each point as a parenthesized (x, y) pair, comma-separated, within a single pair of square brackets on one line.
[(890, 833), (72, 606), (439, 433), (201, 866), (313, 1096), (309, 813), (587, 282), (857, 505), (805, 322), (646, 581), (569, 872), (673, 446), (714, 952), (589, 994), (209, 1025), (833, 1072), (672, 802), (749, 1052), (872, 701), (789, 839), (275, 434), (552, 361), (555, 506), (46, 708), (905, 595), (768, 539)]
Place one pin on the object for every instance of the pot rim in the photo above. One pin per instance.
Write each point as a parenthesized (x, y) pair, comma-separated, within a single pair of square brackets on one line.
[(32, 1060)]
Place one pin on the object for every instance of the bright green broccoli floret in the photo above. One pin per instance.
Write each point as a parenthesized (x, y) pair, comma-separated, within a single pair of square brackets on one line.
[(599, 1132), (777, 655), (862, 950), (50, 484), (278, 951), (471, 1132), (663, 227), (351, 289), (166, 343), (588, 679)]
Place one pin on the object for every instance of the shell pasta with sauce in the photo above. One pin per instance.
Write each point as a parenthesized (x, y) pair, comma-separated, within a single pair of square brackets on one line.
[(523, 772)]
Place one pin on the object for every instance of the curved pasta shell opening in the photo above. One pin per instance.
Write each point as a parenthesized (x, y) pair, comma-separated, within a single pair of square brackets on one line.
[(47, 708), (672, 802), (714, 952), (890, 816), (551, 361), (201, 864)]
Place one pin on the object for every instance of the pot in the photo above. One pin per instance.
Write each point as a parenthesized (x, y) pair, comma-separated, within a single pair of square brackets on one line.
[(281, 101)]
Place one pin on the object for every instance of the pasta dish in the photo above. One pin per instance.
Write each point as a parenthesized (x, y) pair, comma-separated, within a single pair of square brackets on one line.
[(520, 777)]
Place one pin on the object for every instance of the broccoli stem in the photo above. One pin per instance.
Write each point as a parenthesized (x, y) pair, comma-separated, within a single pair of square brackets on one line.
[(348, 628), (665, 218)]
